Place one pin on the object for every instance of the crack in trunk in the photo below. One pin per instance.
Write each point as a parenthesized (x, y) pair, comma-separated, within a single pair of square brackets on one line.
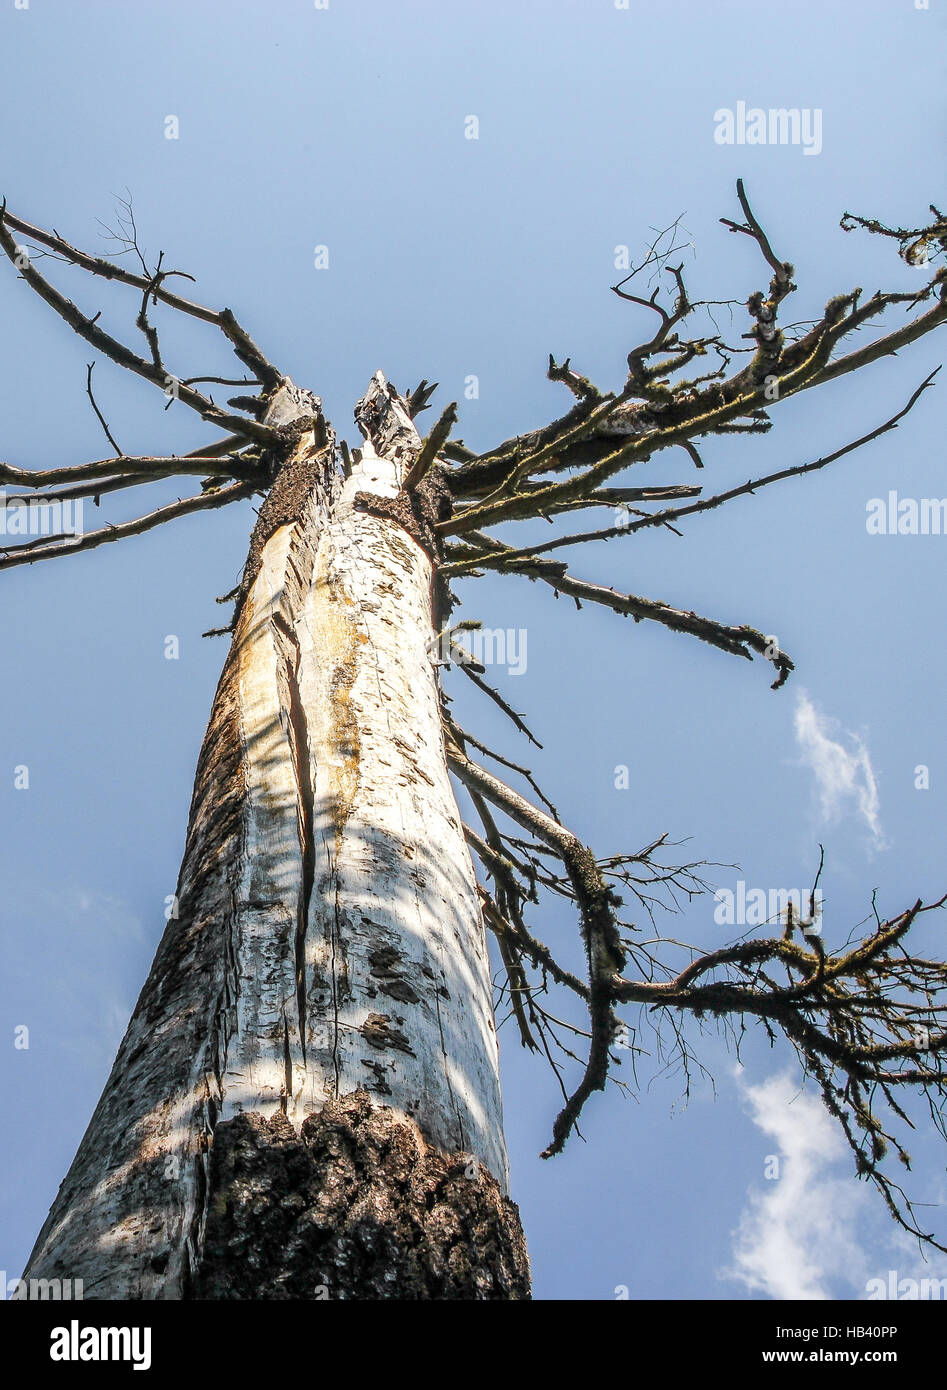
[(298, 734)]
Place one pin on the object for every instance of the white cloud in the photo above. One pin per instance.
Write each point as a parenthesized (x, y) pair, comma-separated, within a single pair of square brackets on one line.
[(797, 1231), (844, 776), (815, 1224)]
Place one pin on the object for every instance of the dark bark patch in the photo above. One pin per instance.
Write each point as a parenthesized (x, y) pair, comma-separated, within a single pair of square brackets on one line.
[(383, 963), (285, 502), (379, 1082), (356, 1206), (381, 1033), (417, 511)]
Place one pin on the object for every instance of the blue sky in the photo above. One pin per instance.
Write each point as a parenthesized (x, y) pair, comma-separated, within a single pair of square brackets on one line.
[(449, 258)]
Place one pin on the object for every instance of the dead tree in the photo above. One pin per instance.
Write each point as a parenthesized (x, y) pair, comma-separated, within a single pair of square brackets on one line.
[(306, 1102)]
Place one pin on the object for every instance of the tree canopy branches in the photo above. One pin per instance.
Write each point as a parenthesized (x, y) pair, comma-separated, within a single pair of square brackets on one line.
[(865, 1020), (603, 434)]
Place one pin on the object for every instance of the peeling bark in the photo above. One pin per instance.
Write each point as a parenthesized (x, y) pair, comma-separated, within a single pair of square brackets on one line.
[(328, 945)]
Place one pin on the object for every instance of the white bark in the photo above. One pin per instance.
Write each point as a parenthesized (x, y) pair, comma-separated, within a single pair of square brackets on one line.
[(330, 937), (393, 951)]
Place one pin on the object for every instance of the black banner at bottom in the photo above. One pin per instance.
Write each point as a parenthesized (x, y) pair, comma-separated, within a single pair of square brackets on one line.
[(161, 1339)]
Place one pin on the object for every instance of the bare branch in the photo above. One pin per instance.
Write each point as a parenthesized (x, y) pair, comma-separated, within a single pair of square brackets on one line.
[(243, 344), (463, 738), (595, 901), (672, 514), (782, 270), (464, 662), (88, 329), (430, 448), (418, 398), (155, 466), (28, 554), (739, 641), (603, 435)]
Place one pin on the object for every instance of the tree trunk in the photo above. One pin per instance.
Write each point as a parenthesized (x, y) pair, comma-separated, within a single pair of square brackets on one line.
[(306, 1103)]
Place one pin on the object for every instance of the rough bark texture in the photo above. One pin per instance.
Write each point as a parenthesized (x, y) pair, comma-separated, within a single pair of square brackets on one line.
[(328, 942), (355, 1206)]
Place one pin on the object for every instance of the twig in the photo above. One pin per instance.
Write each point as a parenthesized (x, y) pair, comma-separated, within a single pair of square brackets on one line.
[(101, 418)]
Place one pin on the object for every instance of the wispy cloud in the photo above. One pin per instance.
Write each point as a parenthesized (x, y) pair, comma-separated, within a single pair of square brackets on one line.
[(796, 1232), (844, 775)]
